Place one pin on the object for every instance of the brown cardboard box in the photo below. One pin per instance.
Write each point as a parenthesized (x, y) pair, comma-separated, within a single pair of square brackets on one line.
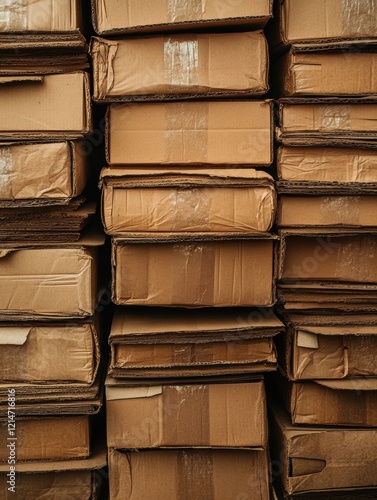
[(138, 16), (337, 74), (179, 66), (307, 24), (322, 458), (190, 133), (212, 200), (189, 474), (322, 347), (78, 479), (178, 342), (337, 256), (49, 281), (342, 494), (206, 415), (334, 403), (47, 173), (32, 352), (306, 169), (45, 107), (46, 438), (193, 271), (327, 122), (327, 211)]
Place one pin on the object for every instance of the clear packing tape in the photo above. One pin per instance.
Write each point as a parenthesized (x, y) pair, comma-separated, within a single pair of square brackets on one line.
[(359, 17), (181, 58), (181, 10), (13, 15)]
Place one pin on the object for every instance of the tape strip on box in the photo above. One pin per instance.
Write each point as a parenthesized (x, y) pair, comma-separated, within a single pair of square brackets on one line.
[(335, 117), (195, 475), (6, 171), (181, 60), (13, 15), (359, 18), (185, 10)]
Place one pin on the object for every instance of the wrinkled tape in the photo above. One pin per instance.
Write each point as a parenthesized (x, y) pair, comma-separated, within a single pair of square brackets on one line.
[(356, 255), (359, 17), (337, 208), (185, 10), (189, 208), (181, 60), (186, 132), (336, 117), (13, 15), (195, 475), (6, 170)]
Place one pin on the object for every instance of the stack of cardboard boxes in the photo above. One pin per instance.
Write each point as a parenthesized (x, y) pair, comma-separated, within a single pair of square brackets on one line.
[(50, 341), (189, 217), (327, 170)]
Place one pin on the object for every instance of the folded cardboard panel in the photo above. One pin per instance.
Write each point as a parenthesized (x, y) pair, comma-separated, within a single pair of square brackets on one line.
[(316, 166), (333, 121), (187, 200), (188, 473), (179, 66), (41, 438), (48, 282), (32, 352), (172, 341), (327, 211), (42, 172), (138, 16), (322, 458), (40, 16), (326, 74), (336, 403), (190, 133), (334, 256), (45, 107), (194, 272), (340, 494), (205, 415)]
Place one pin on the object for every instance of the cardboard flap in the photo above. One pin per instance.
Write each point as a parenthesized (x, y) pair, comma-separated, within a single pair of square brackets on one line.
[(119, 393), (354, 384), (307, 339), (4, 253), (23, 78), (335, 330), (306, 466), (14, 336)]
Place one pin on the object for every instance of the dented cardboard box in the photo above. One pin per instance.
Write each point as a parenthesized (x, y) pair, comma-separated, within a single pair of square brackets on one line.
[(32, 352), (179, 66), (327, 211), (159, 343), (146, 200), (140, 16), (77, 479), (203, 474), (45, 107), (322, 458), (42, 173), (49, 281), (190, 133), (326, 74), (177, 270), (201, 415), (327, 121), (41, 438)]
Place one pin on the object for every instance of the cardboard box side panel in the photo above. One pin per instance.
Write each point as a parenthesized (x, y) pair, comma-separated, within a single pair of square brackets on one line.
[(81, 170)]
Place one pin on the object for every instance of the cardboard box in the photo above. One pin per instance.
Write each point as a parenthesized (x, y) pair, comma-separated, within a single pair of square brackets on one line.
[(179, 66), (337, 256), (188, 473), (199, 342), (45, 107), (109, 17), (328, 121), (41, 438), (326, 74), (322, 458), (327, 211), (334, 403), (228, 200), (190, 133), (78, 479), (321, 24), (342, 494), (49, 281), (206, 415), (336, 347), (32, 352), (47, 173), (333, 169), (193, 272)]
